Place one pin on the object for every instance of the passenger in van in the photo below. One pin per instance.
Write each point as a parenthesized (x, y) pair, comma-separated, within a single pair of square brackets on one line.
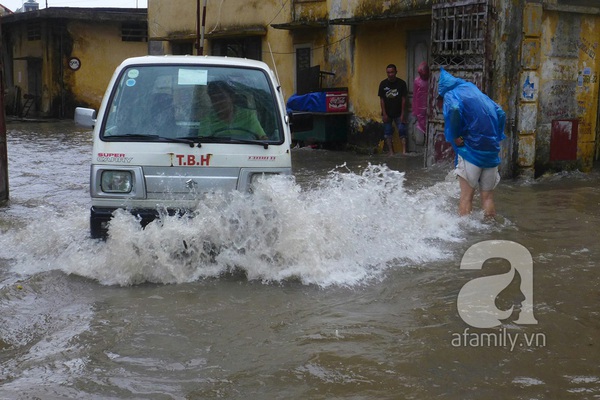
[(228, 118)]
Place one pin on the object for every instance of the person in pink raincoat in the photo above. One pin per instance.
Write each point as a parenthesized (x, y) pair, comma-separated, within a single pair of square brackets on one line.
[(419, 103)]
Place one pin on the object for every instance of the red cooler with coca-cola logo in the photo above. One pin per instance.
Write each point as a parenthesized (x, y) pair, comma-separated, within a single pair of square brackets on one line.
[(336, 100)]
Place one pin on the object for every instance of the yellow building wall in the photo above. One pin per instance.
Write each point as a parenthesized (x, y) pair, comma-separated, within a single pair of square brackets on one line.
[(374, 8), (587, 89), (167, 20), (314, 38), (278, 53), (97, 45), (100, 49), (226, 18), (377, 45), (357, 55), (311, 10), (23, 48), (20, 75), (374, 51), (569, 81)]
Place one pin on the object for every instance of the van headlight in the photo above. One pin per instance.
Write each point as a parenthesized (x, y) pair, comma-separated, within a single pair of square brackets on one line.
[(116, 181)]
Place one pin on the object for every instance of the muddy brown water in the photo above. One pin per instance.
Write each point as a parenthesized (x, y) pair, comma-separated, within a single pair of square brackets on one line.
[(342, 283)]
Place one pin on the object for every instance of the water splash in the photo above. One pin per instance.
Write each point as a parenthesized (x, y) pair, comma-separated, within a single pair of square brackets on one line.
[(347, 230)]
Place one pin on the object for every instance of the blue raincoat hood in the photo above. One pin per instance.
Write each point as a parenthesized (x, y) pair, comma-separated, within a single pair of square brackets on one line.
[(469, 113), (448, 82)]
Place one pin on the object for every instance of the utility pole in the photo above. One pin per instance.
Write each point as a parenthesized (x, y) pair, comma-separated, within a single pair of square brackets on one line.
[(198, 27), (200, 24), (3, 148)]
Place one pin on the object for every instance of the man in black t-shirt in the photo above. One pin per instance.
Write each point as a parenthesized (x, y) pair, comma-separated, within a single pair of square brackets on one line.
[(392, 98)]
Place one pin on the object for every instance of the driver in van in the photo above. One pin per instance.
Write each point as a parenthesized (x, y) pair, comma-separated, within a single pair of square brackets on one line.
[(229, 119)]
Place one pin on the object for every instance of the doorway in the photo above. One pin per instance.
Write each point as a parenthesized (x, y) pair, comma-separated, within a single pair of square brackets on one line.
[(33, 97)]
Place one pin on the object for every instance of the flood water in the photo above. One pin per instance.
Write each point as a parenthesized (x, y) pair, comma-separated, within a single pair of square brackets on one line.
[(341, 283)]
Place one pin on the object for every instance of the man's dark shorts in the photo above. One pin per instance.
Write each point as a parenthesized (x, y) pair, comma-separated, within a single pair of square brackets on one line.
[(388, 128)]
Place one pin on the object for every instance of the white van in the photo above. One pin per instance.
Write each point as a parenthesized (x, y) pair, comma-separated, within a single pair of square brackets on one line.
[(172, 128)]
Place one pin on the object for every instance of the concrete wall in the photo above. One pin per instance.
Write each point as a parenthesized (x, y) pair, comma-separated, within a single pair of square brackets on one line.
[(223, 19), (177, 21), (374, 8), (506, 70), (568, 82), (311, 10), (558, 88), (97, 44), (377, 44), (100, 49)]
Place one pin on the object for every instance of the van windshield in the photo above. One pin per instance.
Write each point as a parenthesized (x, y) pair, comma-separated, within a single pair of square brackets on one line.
[(207, 103)]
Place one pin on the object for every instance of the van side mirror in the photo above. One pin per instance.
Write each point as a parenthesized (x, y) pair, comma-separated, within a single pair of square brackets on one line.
[(85, 117)]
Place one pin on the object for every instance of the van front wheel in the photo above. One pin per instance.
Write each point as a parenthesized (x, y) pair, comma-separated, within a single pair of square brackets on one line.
[(96, 231), (99, 223)]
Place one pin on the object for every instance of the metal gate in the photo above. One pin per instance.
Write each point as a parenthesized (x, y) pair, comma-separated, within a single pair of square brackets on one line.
[(461, 44)]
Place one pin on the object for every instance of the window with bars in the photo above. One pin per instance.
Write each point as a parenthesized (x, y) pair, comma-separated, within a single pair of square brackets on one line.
[(303, 60), (134, 32), (34, 32), (460, 32), (244, 47), (182, 48)]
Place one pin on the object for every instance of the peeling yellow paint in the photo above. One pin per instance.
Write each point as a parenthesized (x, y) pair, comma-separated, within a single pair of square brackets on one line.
[(526, 156), (569, 71), (98, 61)]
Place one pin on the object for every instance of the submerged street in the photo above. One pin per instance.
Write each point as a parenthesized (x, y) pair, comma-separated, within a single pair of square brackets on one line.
[(341, 283)]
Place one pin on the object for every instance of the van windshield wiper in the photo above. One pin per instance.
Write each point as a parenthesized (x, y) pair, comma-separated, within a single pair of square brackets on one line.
[(229, 139)]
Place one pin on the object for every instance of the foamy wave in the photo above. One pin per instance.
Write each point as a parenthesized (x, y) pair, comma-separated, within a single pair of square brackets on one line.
[(348, 230)]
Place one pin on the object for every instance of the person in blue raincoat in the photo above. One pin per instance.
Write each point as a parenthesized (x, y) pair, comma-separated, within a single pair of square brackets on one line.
[(474, 126)]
